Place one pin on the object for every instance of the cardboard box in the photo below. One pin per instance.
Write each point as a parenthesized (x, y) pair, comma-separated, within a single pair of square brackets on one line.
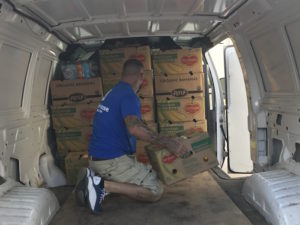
[(179, 85), (171, 129), (70, 92), (111, 61), (179, 61), (70, 116), (109, 83), (147, 108), (141, 154), (147, 86), (73, 162), (73, 140), (190, 108), (172, 169), (145, 91)]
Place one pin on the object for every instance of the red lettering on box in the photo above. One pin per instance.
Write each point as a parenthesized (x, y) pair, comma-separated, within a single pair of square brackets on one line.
[(145, 109), (192, 108), (138, 57), (168, 159), (189, 60), (88, 113)]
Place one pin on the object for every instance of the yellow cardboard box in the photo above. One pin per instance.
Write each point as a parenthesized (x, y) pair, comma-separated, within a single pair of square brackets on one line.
[(141, 154), (147, 108), (171, 129), (185, 109), (70, 92), (147, 86), (177, 61), (73, 162), (179, 85), (109, 83), (70, 116), (145, 91), (73, 140), (111, 61), (171, 169)]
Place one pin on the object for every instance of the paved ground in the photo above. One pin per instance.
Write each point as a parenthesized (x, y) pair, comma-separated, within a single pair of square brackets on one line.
[(198, 200)]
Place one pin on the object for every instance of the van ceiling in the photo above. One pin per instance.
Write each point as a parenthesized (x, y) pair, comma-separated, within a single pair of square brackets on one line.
[(91, 21)]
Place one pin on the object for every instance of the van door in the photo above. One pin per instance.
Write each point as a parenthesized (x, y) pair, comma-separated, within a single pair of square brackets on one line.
[(237, 114), (218, 109)]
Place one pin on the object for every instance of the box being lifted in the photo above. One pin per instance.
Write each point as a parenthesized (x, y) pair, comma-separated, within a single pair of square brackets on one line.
[(171, 169), (178, 61), (70, 92)]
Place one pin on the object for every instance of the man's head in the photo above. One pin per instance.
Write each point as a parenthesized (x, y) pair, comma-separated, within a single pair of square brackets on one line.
[(133, 73)]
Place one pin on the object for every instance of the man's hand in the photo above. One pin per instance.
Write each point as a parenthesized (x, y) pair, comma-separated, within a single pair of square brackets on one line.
[(178, 146)]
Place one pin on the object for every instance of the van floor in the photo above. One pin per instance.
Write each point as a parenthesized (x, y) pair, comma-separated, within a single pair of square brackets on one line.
[(197, 200)]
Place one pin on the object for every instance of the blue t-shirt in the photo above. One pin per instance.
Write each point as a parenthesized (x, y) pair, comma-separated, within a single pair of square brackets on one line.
[(110, 137)]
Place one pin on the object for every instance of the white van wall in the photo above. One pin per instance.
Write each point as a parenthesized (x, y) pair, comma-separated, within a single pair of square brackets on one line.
[(267, 35), (28, 57)]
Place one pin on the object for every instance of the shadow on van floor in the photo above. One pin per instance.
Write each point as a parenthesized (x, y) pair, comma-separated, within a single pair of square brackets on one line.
[(197, 200)]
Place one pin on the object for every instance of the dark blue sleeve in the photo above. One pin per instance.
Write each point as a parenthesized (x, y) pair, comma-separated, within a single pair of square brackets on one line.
[(131, 106)]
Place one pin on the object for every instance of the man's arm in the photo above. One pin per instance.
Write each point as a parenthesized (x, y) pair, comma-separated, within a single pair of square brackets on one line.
[(137, 128)]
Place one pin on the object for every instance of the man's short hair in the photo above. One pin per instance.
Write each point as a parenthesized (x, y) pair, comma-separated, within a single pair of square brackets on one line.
[(132, 67)]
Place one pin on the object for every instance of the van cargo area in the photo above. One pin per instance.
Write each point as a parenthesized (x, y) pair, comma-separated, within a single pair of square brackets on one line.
[(221, 76)]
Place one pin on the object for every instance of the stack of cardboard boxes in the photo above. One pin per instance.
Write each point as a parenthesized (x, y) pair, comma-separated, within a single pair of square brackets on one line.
[(74, 103), (111, 65), (179, 90)]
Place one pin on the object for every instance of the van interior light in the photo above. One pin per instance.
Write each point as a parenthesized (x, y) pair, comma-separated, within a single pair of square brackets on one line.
[(189, 27), (60, 45), (184, 38), (81, 32), (149, 25), (154, 27), (52, 52)]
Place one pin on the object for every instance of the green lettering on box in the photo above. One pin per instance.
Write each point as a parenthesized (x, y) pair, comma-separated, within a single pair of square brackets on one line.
[(199, 145), (68, 135), (63, 111), (165, 58)]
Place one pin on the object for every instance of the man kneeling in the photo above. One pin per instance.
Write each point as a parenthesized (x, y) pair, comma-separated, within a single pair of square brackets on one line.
[(117, 124)]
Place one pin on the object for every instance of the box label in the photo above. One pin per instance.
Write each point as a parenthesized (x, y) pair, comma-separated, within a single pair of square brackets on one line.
[(179, 85)]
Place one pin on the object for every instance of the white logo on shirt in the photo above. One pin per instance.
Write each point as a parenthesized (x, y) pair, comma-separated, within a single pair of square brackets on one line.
[(102, 108)]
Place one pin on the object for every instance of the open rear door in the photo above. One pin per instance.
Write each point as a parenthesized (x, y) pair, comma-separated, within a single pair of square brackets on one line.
[(237, 114), (218, 109)]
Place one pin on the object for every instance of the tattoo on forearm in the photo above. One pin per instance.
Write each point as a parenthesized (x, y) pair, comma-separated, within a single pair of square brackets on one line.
[(146, 134)]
